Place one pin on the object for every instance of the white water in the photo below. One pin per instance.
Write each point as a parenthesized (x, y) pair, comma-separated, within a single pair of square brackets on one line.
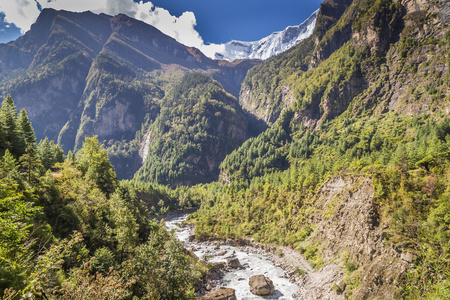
[(253, 264)]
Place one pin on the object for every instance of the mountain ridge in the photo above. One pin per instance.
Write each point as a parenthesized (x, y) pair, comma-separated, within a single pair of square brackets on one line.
[(273, 44), (83, 74)]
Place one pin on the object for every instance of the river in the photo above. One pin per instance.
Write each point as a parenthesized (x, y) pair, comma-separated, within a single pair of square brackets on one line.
[(253, 264)]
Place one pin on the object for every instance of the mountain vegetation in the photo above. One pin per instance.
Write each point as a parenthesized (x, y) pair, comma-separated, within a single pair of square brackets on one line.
[(70, 230), (198, 125), (338, 148), (82, 74), (360, 128)]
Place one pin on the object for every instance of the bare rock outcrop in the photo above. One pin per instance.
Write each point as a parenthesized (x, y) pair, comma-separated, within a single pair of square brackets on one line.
[(350, 233)]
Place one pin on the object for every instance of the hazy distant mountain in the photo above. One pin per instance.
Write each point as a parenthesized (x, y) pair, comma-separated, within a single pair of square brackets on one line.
[(271, 45)]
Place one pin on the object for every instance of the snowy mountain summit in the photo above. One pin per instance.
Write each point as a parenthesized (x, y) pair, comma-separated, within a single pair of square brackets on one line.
[(271, 45)]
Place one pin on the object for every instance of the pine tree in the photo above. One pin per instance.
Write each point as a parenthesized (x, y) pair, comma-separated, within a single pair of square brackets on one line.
[(3, 145), (30, 162), (58, 153), (14, 140), (45, 153), (27, 130), (8, 166)]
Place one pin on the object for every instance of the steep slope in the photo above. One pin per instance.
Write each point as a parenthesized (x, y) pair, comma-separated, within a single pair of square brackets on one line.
[(198, 126), (298, 76), (82, 74), (271, 45), (353, 173)]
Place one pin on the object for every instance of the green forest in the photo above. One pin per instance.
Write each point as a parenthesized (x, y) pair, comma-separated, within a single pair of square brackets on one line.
[(70, 230), (338, 149), (199, 124), (408, 159)]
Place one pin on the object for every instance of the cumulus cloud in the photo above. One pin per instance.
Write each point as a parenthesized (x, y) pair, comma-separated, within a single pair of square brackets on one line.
[(20, 12), (23, 13)]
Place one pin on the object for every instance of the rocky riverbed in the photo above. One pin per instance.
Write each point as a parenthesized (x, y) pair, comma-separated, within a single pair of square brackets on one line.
[(283, 266)]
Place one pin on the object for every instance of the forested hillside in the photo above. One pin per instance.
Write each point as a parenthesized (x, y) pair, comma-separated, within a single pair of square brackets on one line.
[(83, 74), (70, 230), (199, 124), (338, 149), (353, 173)]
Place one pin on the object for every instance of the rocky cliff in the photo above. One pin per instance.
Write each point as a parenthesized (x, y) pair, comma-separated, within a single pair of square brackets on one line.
[(82, 74), (358, 49)]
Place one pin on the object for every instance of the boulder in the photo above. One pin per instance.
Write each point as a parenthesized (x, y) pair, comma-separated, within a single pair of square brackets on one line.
[(220, 294), (233, 262), (261, 285)]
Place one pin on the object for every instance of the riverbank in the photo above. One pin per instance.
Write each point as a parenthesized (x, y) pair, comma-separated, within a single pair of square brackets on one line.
[(282, 265)]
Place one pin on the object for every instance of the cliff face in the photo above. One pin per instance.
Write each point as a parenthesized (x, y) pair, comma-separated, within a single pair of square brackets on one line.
[(82, 74), (388, 46)]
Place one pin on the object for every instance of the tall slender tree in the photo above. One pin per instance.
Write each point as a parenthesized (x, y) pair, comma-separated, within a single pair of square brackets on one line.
[(14, 139), (45, 153), (30, 162), (25, 127), (92, 161)]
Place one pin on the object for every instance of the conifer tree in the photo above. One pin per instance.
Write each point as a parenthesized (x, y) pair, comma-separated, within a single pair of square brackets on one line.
[(58, 153), (45, 153), (27, 130), (3, 145), (8, 166), (14, 140), (30, 162)]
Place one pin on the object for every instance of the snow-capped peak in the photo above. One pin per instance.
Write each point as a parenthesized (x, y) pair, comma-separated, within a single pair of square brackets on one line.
[(269, 46)]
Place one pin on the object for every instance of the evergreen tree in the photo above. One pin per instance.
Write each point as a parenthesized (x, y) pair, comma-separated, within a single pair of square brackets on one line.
[(58, 153), (3, 145), (49, 153), (30, 162), (70, 157), (45, 153), (8, 166), (24, 125), (14, 139)]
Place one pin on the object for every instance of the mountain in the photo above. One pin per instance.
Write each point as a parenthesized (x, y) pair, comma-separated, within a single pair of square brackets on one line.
[(271, 45), (347, 166), (198, 125), (82, 74), (353, 169)]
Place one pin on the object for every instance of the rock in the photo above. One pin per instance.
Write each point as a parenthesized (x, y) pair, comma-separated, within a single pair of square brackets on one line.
[(222, 252), (217, 247), (220, 294), (261, 285), (233, 262), (408, 256)]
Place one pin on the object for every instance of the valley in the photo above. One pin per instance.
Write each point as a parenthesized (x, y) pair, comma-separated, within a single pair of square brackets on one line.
[(331, 159)]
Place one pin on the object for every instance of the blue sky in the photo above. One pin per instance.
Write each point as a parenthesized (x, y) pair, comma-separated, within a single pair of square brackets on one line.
[(244, 20), (8, 32), (192, 22)]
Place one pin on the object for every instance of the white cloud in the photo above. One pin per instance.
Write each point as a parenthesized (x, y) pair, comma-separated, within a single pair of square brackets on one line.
[(20, 12), (23, 13)]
